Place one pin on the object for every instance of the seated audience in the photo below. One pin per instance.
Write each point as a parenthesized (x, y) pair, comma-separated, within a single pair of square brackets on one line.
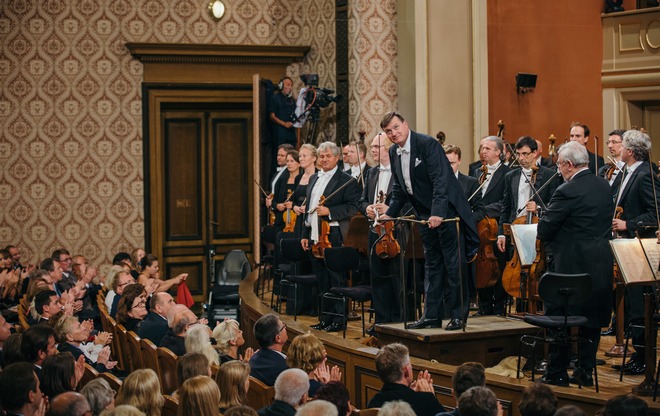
[(5, 333), (37, 343), (199, 396), (150, 275), (72, 335), (132, 308), (141, 389), (69, 403), (46, 304), (479, 401), (570, 410), (111, 283), (395, 371), (229, 338), (291, 388), (233, 379), (179, 319), (20, 392), (307, 353), (191, 365), (61, 373), (123, 410), (537, 400), (336, 393), (396, 408), (136, 257), (154, 326), (269, 361), (11, 350), (99, 395), (625, 404), (467, 375), (317, 408), (241, 411), (121, 281), (198, 339)]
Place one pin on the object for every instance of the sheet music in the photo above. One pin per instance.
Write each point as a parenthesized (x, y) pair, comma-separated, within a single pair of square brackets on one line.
[(630, 257), (652, 249), (524, 237)]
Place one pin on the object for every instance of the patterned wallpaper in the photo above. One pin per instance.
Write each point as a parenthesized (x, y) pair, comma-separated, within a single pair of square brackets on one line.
[(71, 112)]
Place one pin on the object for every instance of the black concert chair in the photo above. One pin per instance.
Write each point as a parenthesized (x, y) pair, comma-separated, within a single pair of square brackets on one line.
[(267, 262), (223, 298), (293, 252), (282, 267), (344, 260), (562, 290)]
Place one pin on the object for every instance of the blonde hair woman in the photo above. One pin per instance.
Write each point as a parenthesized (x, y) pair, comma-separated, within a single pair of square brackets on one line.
[(233, 378), (141, 389), (229, 338), (199, 396), (198, 339), (307, 353)]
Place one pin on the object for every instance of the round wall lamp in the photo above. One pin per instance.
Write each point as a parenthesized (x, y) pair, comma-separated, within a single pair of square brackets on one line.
[(217, 9)]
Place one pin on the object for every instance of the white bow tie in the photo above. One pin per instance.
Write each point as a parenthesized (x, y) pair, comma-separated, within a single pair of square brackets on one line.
[(322, 174), (280, 168), (384, 169), (400, 150)]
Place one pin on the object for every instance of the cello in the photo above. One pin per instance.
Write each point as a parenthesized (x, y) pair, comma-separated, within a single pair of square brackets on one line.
[(486, 263)]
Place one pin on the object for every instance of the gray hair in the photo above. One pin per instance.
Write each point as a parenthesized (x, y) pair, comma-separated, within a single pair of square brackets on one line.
[(325, 146), (291, 385), (498, 142), (318, 408), (197, 340), (638, 142), (99, 394), (478, 401), (575, 153), (396, 408)]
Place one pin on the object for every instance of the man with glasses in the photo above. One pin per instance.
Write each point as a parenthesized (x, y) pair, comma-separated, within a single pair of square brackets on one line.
[(613, 173), (182, 319), (63, 257), (424, 178), (154, 327), (119, 284), (269, 361)]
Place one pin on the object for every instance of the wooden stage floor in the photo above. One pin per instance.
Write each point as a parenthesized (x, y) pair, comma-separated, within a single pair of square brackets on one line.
[(608, 377)]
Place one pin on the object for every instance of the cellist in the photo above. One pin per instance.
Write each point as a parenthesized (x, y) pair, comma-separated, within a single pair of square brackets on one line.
[(519, 200), (336, 211)]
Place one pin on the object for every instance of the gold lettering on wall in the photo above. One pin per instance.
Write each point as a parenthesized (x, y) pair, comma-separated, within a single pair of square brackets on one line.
[(183, 203)]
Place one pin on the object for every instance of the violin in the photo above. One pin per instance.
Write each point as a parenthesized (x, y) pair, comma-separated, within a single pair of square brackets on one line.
[(289, 216), (488, 269), (387, 247), (324, 234), (484, 174), (271, 211)]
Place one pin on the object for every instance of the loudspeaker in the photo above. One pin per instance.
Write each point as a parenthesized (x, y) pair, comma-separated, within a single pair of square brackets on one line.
[(525, 82)]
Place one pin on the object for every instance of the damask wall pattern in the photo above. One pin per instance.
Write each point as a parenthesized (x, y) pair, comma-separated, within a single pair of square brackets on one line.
[(71, 111)]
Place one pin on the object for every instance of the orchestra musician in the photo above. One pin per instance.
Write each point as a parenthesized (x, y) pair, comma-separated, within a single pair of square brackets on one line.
[(423, 177), (285, 187), (577, 228), (612, 171), (307, 156), (282, 150), (356, 159), (492, 299), (580, 133), (635, 195), (337, 211), (385, 279)]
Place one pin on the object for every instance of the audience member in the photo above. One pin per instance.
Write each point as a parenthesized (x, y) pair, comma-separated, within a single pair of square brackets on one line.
[(72, 335), (269, 361), (69, 403), (136, 257), (61, 373), (123, 410), (191, 365), (182, 319), (121, 281), (291, 388), (317, 408), (241, 411), (537, 400), (99, 395), (570, 410), (395, 371), (198, 339), (467, 375), (199, 396), (479, 401), (111, 282), (46, 304), (132, 308), (628, 405), (396, 408), (336, 393), (20, 393), (142, 389), (37, 343), (154, 326), (229, 338), (11, 350), (233, 379), (5, 333), (307, 353)]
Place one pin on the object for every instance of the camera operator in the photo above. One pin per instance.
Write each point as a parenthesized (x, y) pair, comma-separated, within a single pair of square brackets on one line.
[(282, 107)]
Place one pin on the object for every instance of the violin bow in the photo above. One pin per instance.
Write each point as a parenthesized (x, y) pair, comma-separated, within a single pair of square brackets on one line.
[(348, 182), (260, 188)]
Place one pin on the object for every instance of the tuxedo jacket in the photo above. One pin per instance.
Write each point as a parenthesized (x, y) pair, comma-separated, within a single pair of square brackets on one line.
[(577, 227), (470, 186), (154, 327), (342, 206), (436, 191), (636, 199), (369, 191), (510, 199), (492, 199), (592, 162), (602, 171), (266, 365)]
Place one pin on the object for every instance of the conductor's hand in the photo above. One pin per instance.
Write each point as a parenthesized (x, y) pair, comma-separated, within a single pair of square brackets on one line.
[(305, 244), (434, 221), (501, 243)]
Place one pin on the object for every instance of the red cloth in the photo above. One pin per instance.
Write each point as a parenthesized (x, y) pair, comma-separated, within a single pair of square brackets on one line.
[(183, 295)]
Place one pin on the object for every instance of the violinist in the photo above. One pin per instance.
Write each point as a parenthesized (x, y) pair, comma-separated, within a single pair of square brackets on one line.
[(635, 195), (540, 160), (284, 189), (336, 211), (612, 171), (279, 170), (492, 299), (356, 158), (307, 157), (384, 272)]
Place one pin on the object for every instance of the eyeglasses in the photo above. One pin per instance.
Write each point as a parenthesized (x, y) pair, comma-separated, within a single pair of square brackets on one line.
[(282, 329), (140, 304), (125, 283), (614, 141), (376, 146), (523, 154)]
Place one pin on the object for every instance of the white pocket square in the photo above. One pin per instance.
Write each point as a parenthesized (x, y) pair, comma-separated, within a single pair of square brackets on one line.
[(417, 162)]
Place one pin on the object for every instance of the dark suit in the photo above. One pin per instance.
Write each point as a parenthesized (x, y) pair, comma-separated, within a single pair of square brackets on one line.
[(436, 192), (154, 327), (266, 365), (68, 281), (592, 162), (470, 186), (423, 403), (77, 352), (174, 343), (577, 227), (385, 279), (278, 408), (492, 199)]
